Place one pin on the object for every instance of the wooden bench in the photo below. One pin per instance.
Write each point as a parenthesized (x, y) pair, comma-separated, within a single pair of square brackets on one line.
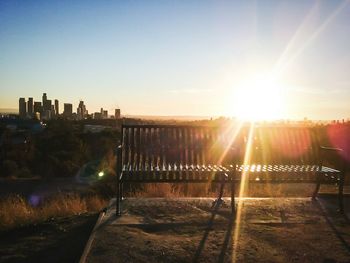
[(197, 154)]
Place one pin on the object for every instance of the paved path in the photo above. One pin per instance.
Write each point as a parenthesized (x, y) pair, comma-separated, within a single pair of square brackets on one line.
[(188, 230)]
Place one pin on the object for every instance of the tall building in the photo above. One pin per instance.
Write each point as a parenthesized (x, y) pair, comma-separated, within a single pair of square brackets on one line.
[(22, 108), (30, 107), (53, 112), (47, 115), (81, 111), (47, 105), (105, 114), (97, 115), (44, 98), (117, 114), (68, 110), (37, 107), (47, 109), (57, 112)]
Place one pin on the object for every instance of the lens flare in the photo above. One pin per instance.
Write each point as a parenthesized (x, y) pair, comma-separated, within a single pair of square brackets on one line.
[(34, 200), (243, 185)]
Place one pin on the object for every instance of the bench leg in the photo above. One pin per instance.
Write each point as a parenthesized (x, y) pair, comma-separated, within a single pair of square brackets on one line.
[(317, 188), (314, 195), (221, 192), (233, 205), (118, 203), (219, 200)]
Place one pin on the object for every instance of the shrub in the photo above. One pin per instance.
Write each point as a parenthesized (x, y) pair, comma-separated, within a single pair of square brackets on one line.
[(16, 211)]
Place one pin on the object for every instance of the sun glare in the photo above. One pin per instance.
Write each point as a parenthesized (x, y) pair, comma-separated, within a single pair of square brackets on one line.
[(258, 98)]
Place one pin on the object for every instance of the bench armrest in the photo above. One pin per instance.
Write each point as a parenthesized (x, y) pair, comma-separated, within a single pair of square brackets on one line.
[(324, 148), (333, 149)]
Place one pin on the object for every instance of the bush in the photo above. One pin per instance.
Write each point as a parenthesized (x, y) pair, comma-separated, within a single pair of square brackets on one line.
[(16, 211)]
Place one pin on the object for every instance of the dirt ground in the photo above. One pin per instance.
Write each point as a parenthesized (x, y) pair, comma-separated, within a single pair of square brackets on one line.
[(56, 240), (190, 230)]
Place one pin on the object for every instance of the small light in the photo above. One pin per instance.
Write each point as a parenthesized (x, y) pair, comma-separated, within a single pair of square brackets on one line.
[(100, 174)]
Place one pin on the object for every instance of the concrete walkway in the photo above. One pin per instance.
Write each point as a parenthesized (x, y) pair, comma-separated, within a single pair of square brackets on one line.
[(189, 230)]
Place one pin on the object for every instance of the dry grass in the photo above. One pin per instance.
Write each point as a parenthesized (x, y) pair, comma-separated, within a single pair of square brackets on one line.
[(172, 190), (209, 190), (17, 211)]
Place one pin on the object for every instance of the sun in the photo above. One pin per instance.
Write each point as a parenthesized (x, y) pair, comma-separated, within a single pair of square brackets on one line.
[(258, 98)]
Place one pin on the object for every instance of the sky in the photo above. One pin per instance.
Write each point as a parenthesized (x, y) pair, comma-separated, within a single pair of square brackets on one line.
[(279, 59)]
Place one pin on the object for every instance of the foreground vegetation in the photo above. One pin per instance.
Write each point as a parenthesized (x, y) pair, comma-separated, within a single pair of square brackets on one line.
[(58, 151), (16, 211)]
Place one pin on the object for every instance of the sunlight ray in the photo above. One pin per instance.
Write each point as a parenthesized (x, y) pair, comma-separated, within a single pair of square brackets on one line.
[(231, 133), (283, 58), (244, 178), (286, 60), (228, 132)]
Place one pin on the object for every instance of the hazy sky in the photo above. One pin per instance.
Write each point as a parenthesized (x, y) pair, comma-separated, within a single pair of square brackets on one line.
[(177, 57)]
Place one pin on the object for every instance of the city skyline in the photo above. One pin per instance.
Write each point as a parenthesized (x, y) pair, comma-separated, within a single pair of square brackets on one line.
[(47, 109), (273, 60)]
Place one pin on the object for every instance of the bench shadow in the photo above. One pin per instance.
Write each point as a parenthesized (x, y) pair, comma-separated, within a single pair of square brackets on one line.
[(206, 233), (228, 237), (209, 225), (209, 228), (332, 225)]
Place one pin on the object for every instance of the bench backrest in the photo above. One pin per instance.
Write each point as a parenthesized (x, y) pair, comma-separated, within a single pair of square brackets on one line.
[(280, 145), (157, 145)]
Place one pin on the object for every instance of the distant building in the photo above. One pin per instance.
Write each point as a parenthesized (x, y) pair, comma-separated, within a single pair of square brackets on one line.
[(37, 107), (81, 111), (22, 108), (68, 110), (97, 115), (44, 99), (117, 114), (105, 114), (53, 112), (47, 105), (30, 107), (57, 111), (47, 115)]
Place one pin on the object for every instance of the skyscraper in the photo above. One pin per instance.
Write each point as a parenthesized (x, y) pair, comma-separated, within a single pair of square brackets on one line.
[(47, 109), (57, 112), (47, 105), (68, 110), (22, 108), (117, 113), (105, 114), (44, 100), (37, 107), (53, 112), (81, 111), (30, 107)]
